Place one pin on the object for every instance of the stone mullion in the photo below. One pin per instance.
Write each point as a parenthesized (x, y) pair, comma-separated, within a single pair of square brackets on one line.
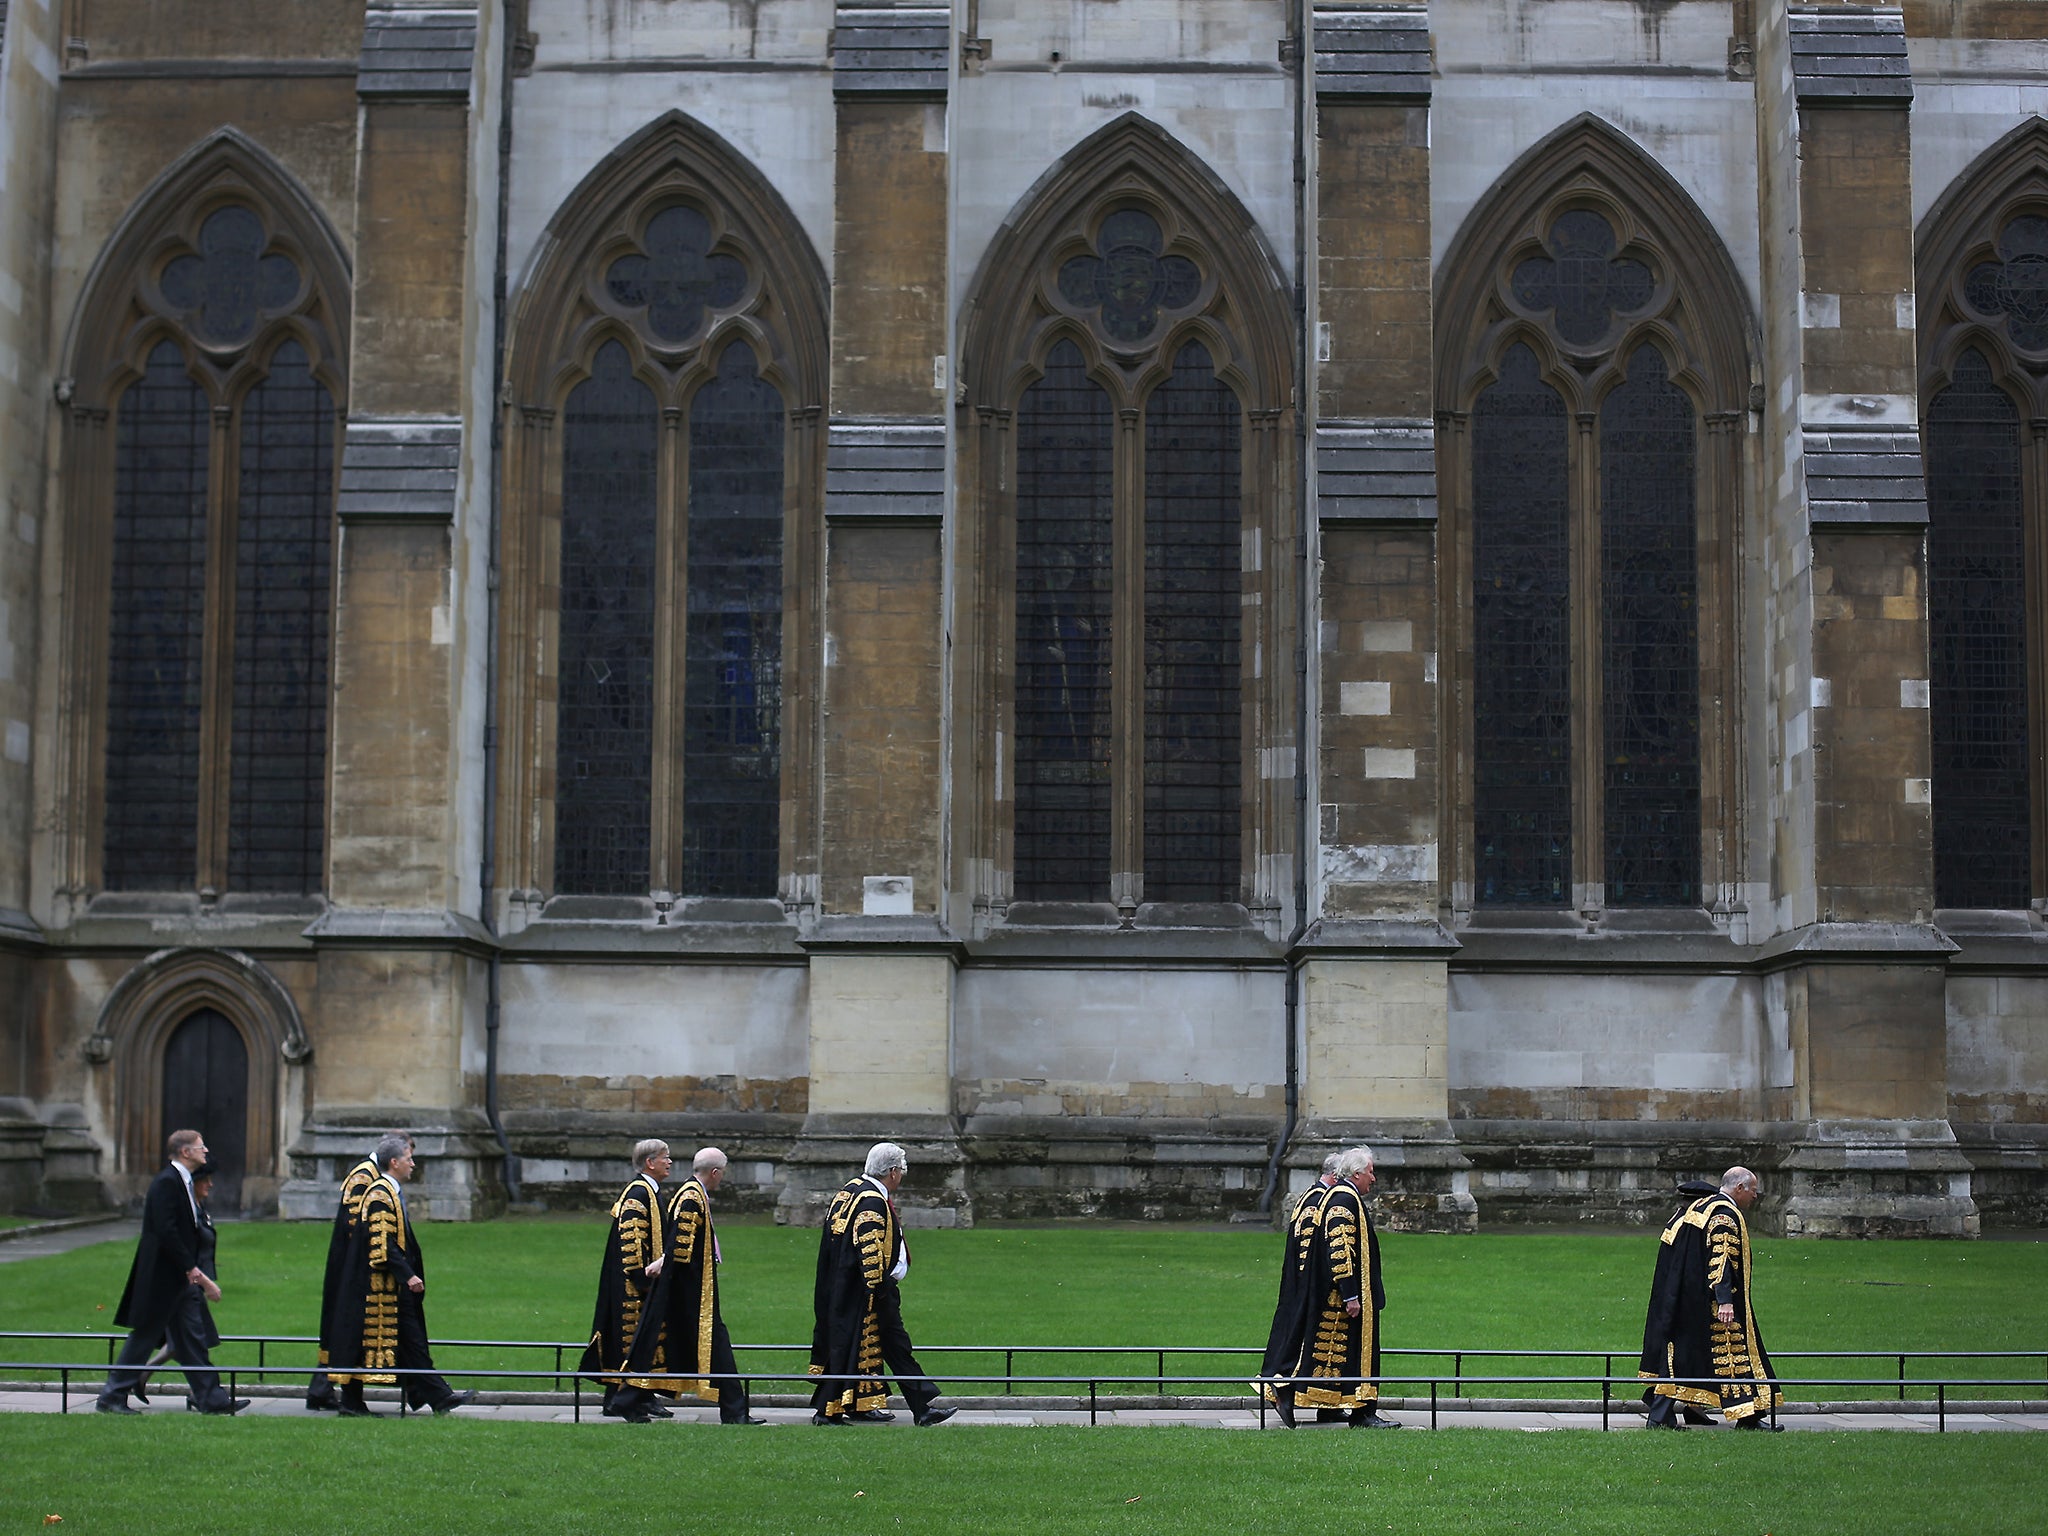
[(803, 622), (217, 656), (986, 660), (526, 613), (1458, 876), (1589, 874), (1266, 715), (2034, 501), (671, 637), (1127, 667), (1717, 537), (80, 739)]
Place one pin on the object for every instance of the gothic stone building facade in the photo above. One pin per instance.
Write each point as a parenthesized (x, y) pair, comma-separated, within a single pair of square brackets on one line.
[(1122, 591)]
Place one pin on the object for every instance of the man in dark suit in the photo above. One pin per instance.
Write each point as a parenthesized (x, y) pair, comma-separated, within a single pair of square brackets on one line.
[(168, 1290)]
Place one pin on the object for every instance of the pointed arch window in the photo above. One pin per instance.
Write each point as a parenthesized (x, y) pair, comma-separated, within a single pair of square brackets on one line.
[(663, 456), (1590, 427), (1984, 344), (216, 558), (1129, 537)]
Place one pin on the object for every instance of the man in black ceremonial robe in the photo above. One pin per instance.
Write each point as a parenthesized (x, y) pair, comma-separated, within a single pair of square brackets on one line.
[(1334, 1338), (681, 1330), (167, 1290), (379, 1326), (635, 1253), (858, 1306), (1283, 1339), (1702, 1352), (354, 1185)]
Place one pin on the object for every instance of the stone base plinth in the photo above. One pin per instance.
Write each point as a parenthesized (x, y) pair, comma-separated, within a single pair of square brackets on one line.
[(460, 1175), (1873, 1179), (833, 1148)]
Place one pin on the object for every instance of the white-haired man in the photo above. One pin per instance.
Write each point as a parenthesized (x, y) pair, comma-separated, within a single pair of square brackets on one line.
[(1335, 1336), (1702, 1352), (862, 1258), (1290, 1316), (681, 1329), (635, 1251)]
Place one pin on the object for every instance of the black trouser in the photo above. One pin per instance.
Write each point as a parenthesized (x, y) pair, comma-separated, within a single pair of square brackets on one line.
[(319, 1389), (733, 1401), (918, 1389), (413, 1355), (185, 1331)]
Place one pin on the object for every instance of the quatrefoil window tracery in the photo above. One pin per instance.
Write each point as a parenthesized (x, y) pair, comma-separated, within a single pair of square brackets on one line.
[(231, 281), (676, 276), (2016, 285), (1126, 278), (1580, 280)]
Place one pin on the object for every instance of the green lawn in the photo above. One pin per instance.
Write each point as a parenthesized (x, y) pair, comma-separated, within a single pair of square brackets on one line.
[(271, 1475), (1097, 1286)]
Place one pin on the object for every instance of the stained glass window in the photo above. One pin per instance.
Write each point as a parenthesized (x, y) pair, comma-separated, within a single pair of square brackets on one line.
[(1126, 279), (1580, 279), (231, 281), (1065, 515), (678, 278), (604, 719), (158, 616), (1521, 614), (1976, 557), (1649, 632), (2016, 285), (1192, 538), (283, 538), (732, 749)]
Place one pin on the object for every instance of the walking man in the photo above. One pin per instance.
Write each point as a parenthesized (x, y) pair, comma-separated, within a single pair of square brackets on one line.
[(167, 1290), (858, 1305), (1702, 1353)]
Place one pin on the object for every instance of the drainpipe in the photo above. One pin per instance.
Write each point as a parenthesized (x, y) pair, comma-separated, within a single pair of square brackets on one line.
[(487, 874), (1301, 25)]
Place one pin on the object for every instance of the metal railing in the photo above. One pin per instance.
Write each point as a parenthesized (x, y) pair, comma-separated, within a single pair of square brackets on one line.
[(1606, 1382), (1160, 1354)]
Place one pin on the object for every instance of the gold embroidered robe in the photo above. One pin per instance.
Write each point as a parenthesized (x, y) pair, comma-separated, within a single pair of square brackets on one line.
[(1703, 1261), (857, 1248)]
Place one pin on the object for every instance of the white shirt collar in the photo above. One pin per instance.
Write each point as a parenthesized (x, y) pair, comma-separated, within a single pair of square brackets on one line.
[(186, 1174)]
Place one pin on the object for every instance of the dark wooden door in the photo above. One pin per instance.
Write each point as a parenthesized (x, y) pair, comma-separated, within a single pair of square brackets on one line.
[(206, 1089)]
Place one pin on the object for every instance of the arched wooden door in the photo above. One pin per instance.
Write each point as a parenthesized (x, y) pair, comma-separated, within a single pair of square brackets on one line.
[(206, 1089)]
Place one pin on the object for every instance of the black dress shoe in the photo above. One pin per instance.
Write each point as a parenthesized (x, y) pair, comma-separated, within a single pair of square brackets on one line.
[(1695, 1416), (749, 1419), (934, 1416), (229, 1408), (1371, 1420), (1768, 1426), (636, 1416), (658, 1411), (453, 1401), (322, 1404), (873, 1416), (139, 1395), (1284, 1408), (358, 1411), (820, 1417), (120, 1407)]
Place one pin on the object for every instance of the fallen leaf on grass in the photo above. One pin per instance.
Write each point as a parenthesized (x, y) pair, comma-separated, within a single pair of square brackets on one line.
[(53, 1519), (860, 1493), (1134, 1498)]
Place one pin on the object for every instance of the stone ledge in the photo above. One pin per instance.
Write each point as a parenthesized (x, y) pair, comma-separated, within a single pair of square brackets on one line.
[(1865, 477), (400, 471), (1378, 53), (417, 53), (889, 470), (891, 51), (399, 928), (1850, 56), (1376, 472)]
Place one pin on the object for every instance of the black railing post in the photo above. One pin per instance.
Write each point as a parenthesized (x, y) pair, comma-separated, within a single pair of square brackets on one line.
[(1091, 1403), (261, 1358), (1432, 1402), (1458, 1374), (1606, 1393), (1162, 1373), (576, 1386), (64, 1386), (1902, 1378), (1009, 1369), (1941, 1407)]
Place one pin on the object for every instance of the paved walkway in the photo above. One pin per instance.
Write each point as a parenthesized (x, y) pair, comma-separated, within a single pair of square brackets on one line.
[(40, 1245), (169, 1398)]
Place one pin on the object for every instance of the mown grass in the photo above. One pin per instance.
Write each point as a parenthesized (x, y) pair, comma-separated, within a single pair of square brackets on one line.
[(270, 1475), (1099, 1287)]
